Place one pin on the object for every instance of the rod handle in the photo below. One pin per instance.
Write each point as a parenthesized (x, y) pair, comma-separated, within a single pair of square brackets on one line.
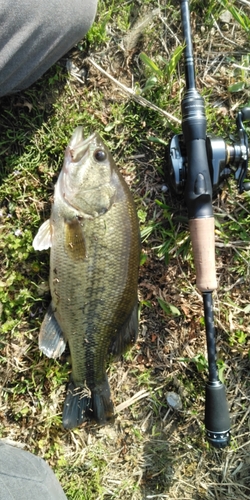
[(203, 243), (217, 419)]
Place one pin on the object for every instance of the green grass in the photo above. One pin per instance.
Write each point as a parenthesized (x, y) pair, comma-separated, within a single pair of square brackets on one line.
[(151, 451)]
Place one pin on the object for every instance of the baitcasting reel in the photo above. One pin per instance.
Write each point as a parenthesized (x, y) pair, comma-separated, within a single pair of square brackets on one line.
[(224, 159)]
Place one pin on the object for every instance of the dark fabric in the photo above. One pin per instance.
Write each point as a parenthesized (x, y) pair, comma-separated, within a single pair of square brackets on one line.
[(34, 34), (24, 476)]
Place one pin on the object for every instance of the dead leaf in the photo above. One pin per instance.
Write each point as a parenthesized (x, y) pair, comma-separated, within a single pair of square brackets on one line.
[(24, 104)]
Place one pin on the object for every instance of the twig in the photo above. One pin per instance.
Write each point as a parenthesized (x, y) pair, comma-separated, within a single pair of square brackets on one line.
[(136, 397), (158, 496), (245, 2), (225, 38), (241, 67), (141, 100), (169, 29)]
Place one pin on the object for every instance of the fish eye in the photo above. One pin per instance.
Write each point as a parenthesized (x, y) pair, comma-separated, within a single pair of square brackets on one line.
[(100, 155)]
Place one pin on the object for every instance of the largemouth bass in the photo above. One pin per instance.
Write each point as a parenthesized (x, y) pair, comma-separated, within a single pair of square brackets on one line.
[(93, 236)]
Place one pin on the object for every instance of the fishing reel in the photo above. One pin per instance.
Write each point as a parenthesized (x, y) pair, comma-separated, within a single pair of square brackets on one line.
[(224, 159)]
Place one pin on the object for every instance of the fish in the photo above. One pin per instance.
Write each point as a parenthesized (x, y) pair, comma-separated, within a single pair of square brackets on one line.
[(94, 241)]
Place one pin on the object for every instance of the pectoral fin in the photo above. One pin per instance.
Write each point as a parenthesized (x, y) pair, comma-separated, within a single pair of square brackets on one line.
[(51, 340), (42, 240)]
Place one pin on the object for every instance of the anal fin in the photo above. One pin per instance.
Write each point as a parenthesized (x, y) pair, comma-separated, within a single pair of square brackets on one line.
[(127, 334), (51, 340)]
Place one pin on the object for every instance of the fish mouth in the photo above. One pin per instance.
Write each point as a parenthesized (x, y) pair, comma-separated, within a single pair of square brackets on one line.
[(78, 146), (75, 152)]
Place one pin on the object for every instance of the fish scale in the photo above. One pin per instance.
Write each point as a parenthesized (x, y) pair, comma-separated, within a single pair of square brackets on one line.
[(94, 260)]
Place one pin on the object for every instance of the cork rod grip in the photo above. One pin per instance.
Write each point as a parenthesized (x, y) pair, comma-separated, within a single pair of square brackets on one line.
[(203, 243)]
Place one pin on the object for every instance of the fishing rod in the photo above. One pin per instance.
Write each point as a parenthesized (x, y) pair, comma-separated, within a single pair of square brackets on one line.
[(196, 167)]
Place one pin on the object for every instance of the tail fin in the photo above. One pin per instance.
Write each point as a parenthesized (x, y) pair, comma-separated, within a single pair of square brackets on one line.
[(102, 407), (76, 406), (79, 406)]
